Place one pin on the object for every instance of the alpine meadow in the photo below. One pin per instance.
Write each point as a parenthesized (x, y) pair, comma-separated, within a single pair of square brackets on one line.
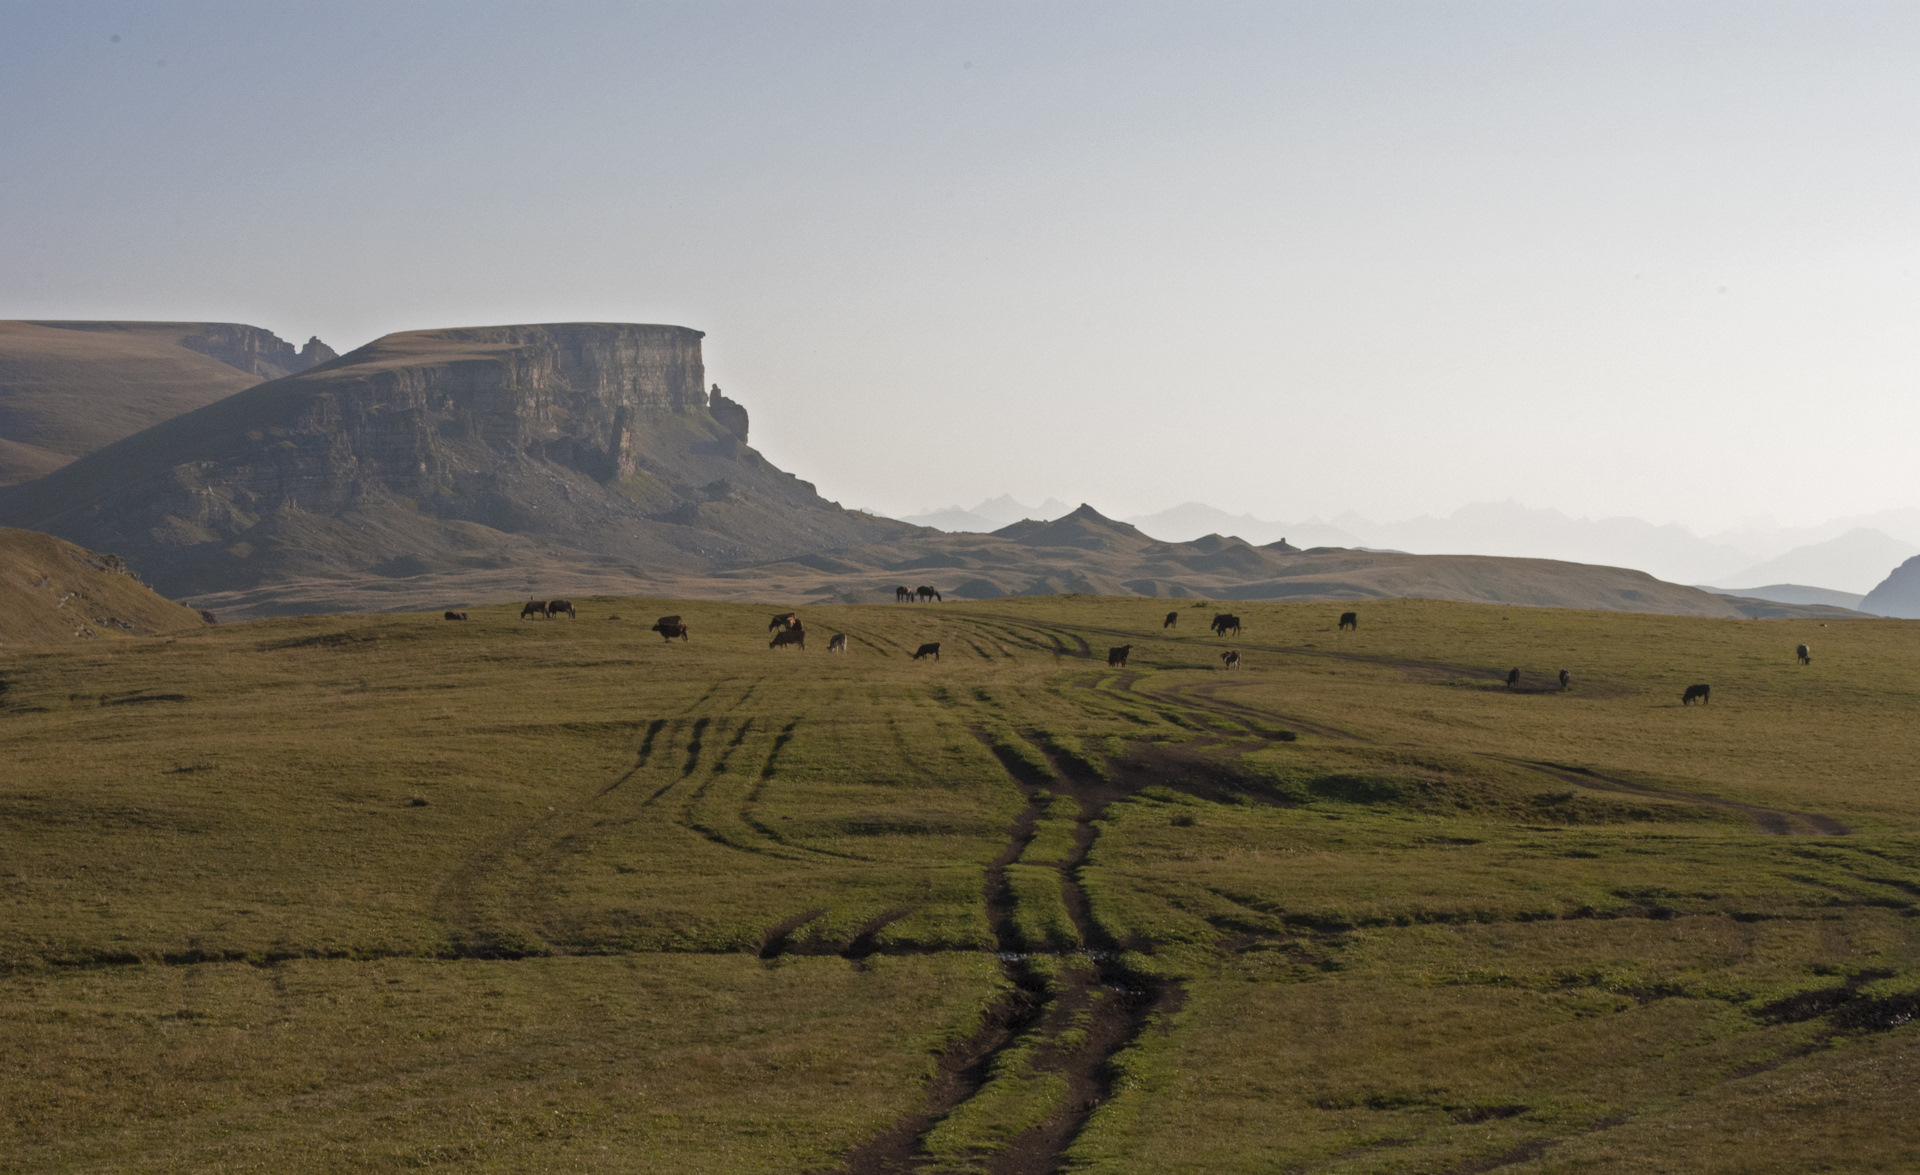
[(384, 893)]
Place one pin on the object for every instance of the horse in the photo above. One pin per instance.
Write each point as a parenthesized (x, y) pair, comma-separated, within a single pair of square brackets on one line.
[(555, 607), (1696, 691), (456, 616), (926, 593), (534, 608), (1349, 620), (788, 636), (928, 650), (903, 593), (1805, 654), (1118, 655), (1172, 620), (669, 627), (1224, 622), (837, 643), (1566, 679), (1230, 659), (1513, 679), (783, 621)]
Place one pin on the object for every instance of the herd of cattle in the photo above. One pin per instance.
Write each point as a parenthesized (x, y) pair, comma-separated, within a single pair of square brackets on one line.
[(789, 632)]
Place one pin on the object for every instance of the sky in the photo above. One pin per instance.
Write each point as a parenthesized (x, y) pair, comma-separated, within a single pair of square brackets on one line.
[(1646, 259)]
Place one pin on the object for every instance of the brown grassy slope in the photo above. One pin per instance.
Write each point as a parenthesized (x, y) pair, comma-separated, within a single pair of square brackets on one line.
[(1090, 554), (65, 391), (52, 592)]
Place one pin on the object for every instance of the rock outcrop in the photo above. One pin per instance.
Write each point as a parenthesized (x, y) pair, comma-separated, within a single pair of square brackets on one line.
[(53, 593), (444, 452), (730, 413), (1898, 594)]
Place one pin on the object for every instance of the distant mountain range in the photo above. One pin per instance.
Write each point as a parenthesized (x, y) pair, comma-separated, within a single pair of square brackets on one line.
[(1846, 560)]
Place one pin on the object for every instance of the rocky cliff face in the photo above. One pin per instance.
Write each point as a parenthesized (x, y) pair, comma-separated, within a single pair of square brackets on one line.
[(430, 452)]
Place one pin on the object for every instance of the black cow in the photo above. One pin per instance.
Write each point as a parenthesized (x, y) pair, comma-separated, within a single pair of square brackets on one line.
[(1226, 622), (789, 636), (1696, 691), (1118, 655), (1513, 678), (534, 608), (1566, 679), (1805, 654), (930, 650), (456, 616), (669, 627), (1349, 620), (1172, 620), (555, 607)]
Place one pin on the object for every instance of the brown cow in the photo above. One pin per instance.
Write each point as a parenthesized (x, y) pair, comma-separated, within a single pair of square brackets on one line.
[(555, 607), (1172, 620), (789, 636), (1231, 658), (1118, 655), (534, 608), (456, 616), (784, 620), (669, 627), (930, 650)]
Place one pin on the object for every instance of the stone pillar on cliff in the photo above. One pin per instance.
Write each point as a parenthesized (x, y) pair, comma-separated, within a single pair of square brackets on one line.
[(316, 352), (730, 413)]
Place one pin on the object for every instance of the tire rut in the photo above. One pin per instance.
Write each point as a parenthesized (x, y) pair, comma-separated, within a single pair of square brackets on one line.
[(1072, 1018)]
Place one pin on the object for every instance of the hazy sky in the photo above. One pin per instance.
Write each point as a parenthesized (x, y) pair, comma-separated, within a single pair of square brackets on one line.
[(1656, 259)]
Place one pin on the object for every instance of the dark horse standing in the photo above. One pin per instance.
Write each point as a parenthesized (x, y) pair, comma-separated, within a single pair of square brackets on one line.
[(926, 593), (903, 593)]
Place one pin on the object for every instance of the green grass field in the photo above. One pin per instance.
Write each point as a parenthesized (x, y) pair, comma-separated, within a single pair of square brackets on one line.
[(382, 893)]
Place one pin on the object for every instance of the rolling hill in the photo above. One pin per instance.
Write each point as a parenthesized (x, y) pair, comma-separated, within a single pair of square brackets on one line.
[(1089, 553), (69, 388), (494, 460), (52, 592)]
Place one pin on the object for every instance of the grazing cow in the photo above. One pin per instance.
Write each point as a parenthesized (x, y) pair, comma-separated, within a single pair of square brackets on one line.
[(903, 593), (788, 636), (837, 643), (456, 616), (1805, 654), (1696, 691), (1225, 621), (534, 608), (1118, 655), (1513, 678), (1230, 659), (669, 627), (932, 650), (1172, 620), (784, 621), (926, 593), (555, 607), (1566, 679), (1349, 620)]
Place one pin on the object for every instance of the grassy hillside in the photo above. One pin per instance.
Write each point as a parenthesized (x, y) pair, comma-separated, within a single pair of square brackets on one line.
[(68, 388), (380, 893), (52, 592)]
